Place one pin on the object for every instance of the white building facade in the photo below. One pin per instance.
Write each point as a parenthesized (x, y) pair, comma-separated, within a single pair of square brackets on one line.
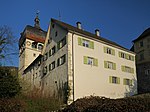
[(76, 63)]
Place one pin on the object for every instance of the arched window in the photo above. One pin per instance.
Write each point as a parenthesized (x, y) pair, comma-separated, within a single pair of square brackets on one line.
[(40, 46), (34, 44)]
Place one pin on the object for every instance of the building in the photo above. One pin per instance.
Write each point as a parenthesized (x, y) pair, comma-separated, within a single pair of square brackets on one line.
[(142, 49), (75, 63)]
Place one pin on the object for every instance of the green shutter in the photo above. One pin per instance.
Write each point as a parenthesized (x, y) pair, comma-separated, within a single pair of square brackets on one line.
[(123, 68), (105, 64), (119, 54), (105, 49), (131, 82), (124, 81), (95, 62), (110, 79), (113, 51), (85, 59), (114, 66), (132, 58), (79, 41), (118, 80), (126, 56), (91, 45), (132, 70)]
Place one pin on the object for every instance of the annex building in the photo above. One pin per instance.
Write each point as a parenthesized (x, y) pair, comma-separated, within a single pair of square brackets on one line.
[(68, 63)]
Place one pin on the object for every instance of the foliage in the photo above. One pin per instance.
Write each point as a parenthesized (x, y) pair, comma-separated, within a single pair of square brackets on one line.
[(101, 104), (9, 84)]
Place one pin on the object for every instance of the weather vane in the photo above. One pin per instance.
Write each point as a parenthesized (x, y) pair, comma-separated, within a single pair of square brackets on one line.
[(37, 13)]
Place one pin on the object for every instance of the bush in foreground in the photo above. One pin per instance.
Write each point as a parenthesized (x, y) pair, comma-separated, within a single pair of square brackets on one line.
[(101, 104)]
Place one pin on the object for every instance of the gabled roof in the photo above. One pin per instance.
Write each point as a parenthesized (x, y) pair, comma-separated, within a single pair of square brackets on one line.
[(143, 35), (90, 35)]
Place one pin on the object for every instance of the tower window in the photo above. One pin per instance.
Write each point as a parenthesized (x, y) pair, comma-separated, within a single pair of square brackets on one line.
[(34, 44), (40, 46), (34, 54)]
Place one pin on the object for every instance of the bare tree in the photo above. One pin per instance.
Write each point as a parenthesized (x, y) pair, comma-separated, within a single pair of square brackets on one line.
[(8, 44)]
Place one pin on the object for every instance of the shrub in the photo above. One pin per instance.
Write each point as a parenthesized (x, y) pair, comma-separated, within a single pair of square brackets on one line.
[(101, 104), (9, 84)]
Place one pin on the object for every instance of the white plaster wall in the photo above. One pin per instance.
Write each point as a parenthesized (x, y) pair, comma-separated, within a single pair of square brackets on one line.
[(92, 80)]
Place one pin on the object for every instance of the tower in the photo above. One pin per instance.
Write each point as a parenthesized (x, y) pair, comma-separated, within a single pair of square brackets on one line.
[(30, 44)]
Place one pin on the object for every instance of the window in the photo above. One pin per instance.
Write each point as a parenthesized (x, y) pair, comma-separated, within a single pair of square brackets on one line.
[(147, 72), (127, 82), (127, 69), (123, 55), (52, 51), (109, 50), (85, 43), (141, 44), (141, 56), (40, 46), (110, 65), (61, 43), (90, 61), (114, 80), (58, 62), (61, 60), (34, 55), (56, 34), (45, 56), (45, 70), (126, 56), (34, 44), (52, 66)]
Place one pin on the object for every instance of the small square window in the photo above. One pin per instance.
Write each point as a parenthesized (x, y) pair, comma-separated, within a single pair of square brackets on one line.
[(34, 54), (90, 61)]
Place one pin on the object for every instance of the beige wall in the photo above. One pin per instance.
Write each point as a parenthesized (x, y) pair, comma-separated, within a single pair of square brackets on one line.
[(92, 80)]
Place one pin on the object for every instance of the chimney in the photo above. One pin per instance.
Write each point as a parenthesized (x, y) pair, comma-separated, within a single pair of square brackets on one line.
[(79, 25), (97, 33)]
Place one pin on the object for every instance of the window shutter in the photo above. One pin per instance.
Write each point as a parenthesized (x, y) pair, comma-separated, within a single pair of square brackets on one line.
[(118, 80), (110, 79), (113, 51), (105, 64), (85, 59), (123, 68), (105, 49), (124, 81), (126, 56), (131, 82), (95, 62), (132, 58), (132, 70), (119, 54), (79, 41), (114, 66), (91, 45)]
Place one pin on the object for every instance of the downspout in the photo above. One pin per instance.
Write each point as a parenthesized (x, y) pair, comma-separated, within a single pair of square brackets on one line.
[(73, 63)]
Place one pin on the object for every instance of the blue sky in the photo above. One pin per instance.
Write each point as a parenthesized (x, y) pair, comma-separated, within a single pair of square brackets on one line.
[(118, 20)]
